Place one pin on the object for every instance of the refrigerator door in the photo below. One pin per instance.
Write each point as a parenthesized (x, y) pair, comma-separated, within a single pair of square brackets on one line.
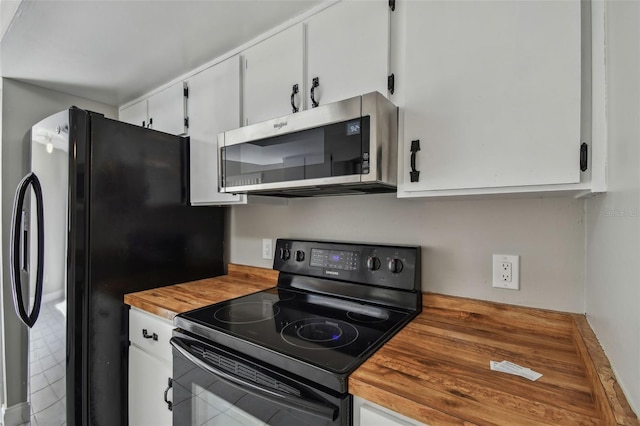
[(132, 229), (39, 228)]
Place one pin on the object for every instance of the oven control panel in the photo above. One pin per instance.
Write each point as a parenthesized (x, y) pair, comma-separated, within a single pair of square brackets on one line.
[(379, 265)]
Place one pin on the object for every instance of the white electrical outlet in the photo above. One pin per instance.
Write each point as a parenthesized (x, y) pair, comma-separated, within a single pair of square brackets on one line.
[(267, 248), (506, 271)]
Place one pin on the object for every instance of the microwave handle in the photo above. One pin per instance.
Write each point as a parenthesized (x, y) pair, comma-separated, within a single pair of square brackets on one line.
[(325, 411)]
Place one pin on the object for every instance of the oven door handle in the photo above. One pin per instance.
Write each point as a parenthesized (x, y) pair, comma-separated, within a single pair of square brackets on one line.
[(321, 410)]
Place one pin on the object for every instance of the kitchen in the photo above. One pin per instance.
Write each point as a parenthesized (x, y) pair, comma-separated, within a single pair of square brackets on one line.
[(569, 247)]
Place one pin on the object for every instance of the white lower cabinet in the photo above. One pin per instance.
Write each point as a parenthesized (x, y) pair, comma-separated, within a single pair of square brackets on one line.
[(366, 413), (150, 370)]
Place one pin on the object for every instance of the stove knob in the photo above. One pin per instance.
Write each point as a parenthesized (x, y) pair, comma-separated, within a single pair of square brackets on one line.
[(373, 263), (285, 254), (299, 255), (395, 266)]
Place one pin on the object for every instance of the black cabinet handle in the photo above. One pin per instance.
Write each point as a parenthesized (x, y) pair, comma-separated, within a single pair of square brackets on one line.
[(166, 392), (414, 174), (294, 91), (146, 335), (314, 84)]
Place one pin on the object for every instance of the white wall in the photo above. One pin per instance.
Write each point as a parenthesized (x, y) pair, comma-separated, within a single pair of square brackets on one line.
[(458, 238), (613, 220), (8, 9), (22, 106)]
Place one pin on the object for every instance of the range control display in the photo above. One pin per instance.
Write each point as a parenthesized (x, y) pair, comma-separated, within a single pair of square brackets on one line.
[(335, 259), (392, 267)]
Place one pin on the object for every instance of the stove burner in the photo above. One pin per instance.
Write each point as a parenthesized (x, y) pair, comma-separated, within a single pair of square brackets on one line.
[(370, 317), (319, 334), (247, 312)]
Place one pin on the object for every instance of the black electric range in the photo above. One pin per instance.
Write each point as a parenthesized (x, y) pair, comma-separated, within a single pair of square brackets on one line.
[(334, 305)]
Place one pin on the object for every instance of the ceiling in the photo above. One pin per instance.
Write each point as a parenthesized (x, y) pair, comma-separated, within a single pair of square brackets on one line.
[(115, 51)]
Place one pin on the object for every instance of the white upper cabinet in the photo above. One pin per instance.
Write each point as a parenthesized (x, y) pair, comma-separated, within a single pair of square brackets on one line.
[(345, 47), (270, 70), (492, 91), (168, 110), (348, 50), (214, 107), (165, 111), (135, 114)]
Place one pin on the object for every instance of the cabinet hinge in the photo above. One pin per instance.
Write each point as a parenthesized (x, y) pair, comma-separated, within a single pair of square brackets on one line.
[(392, 5), (186, 122), (584, 157), (186, 92), (391, 83)]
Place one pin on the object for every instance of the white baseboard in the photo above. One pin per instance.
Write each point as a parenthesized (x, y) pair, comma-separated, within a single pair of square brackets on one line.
[(16, 414)]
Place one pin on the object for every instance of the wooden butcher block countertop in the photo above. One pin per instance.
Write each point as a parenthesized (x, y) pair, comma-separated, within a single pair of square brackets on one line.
[(436, 369), (167, 302)]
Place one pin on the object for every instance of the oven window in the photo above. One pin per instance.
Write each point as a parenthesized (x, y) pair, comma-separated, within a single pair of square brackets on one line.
[(209, 409), (201, 397), (334, 150)]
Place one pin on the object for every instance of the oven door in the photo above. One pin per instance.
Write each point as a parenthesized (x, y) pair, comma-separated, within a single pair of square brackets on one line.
[(213, 386)]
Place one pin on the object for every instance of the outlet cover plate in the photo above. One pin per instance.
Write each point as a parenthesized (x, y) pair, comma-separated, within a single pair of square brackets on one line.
[(267, 248), (498, 278)]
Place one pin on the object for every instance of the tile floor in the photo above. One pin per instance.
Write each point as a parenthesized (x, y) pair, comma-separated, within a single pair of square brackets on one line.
[(47, 350)]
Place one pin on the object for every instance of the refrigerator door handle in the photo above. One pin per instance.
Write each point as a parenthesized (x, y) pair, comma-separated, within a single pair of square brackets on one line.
[(18, 301)]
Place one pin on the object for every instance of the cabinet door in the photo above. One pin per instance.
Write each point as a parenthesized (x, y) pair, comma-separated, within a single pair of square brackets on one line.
[(167, 110), (135, 114), (214, 107), (492, 91), (348, 50), (148, 378), (367, 413), (271, 68)]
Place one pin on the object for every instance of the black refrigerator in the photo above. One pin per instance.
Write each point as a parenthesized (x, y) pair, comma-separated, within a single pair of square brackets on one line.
[(103, 210)]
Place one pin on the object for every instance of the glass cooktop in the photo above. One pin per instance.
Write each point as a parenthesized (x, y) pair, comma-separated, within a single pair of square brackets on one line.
[(328, 332)]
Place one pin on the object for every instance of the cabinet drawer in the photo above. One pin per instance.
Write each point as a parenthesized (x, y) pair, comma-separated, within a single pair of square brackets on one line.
[(158, 346)]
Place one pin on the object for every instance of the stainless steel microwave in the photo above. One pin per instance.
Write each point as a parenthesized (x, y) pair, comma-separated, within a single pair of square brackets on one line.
[(348, 147)]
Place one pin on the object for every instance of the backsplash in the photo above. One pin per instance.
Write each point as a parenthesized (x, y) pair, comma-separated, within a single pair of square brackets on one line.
[(458, 238)]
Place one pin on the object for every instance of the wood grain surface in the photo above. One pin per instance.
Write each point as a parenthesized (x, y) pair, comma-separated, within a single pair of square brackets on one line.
[(609, 397), (169, 301), (436, 370)]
